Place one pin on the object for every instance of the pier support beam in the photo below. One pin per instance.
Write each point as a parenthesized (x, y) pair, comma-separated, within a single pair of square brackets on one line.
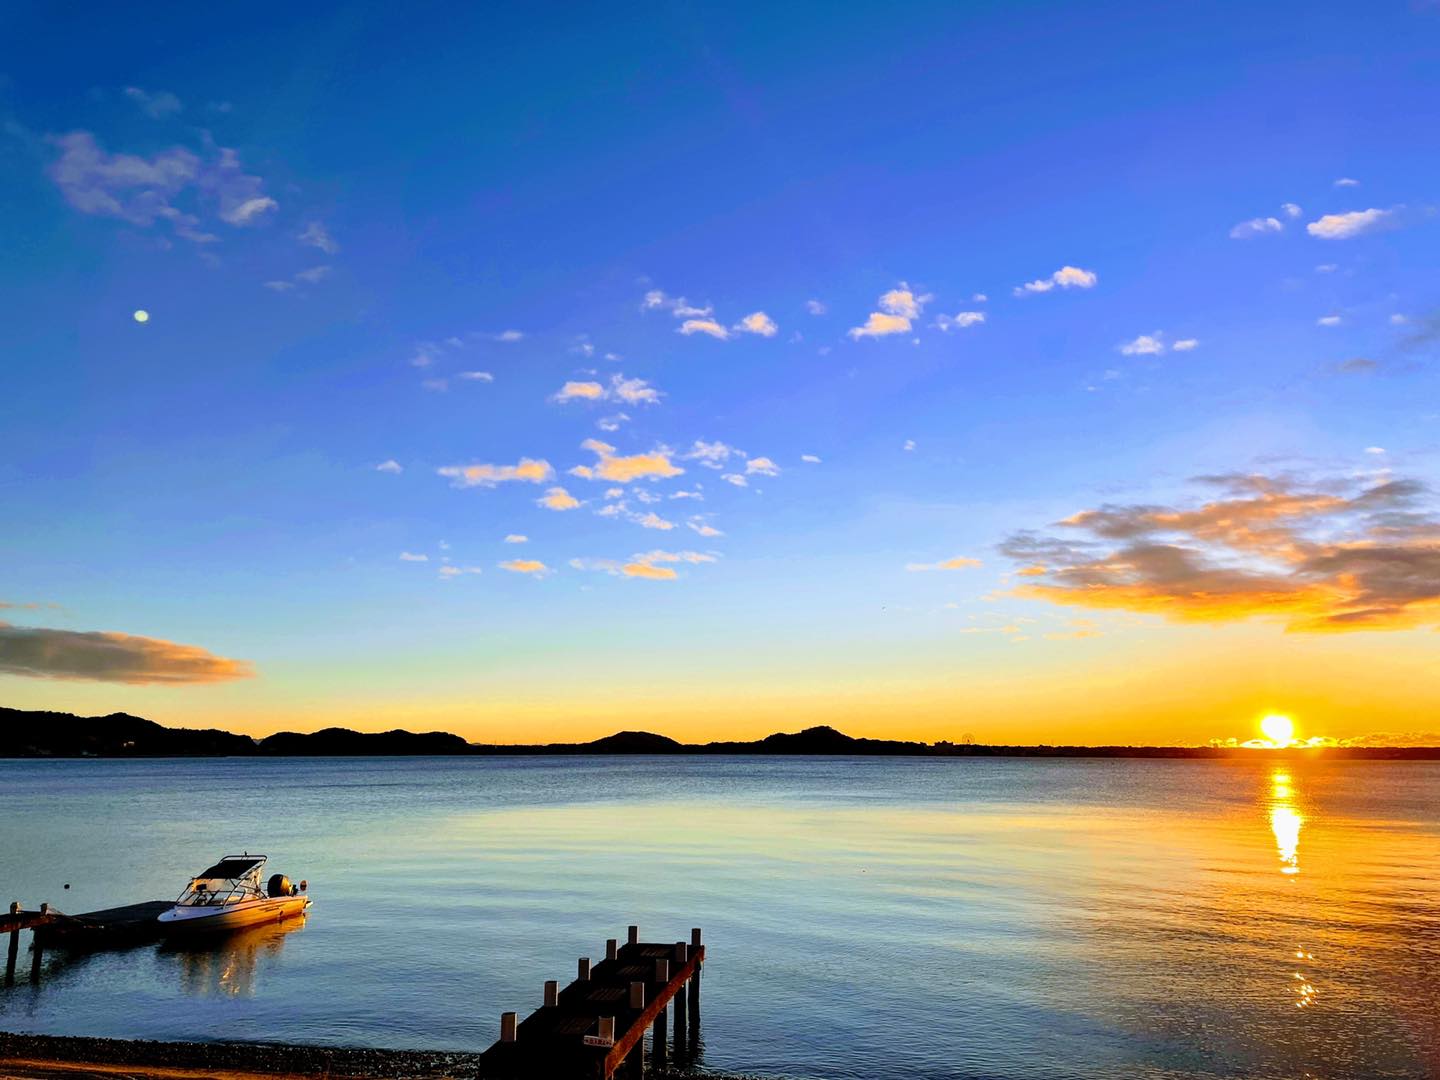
[(14, 947), (508, 1023), (657, 1039)]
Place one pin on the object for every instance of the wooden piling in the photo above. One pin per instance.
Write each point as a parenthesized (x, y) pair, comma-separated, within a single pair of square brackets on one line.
[(552, 993), (633, 936), (14, 947), (657, 1040), (508, 1022), (610, 949), (583, 970)]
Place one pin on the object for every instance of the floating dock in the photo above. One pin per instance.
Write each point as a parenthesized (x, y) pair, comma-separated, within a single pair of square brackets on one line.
[(595, 1027)]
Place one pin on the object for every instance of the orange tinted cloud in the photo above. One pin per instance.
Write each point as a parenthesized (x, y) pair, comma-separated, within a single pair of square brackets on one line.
[(105, 656), (1318, 556), (622, 470), (530, 470)]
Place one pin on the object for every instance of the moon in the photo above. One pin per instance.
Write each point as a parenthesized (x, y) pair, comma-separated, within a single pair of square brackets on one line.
[(142, 315)]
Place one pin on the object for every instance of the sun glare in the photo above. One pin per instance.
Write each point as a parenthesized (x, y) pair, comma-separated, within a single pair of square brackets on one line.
[(1279, 729)]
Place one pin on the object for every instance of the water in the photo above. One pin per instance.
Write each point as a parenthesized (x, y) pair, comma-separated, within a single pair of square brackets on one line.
[(865, 917)]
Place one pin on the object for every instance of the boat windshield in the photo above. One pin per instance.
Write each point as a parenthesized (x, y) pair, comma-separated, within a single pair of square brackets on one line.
[(232, 880)]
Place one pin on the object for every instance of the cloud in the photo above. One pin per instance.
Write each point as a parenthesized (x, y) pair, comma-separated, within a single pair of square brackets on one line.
[(103, 656), (1398, 320), (908, 445), (516, 538), (703, 326), (810, 459), (676, 305), (249, 210), (315, 235), (533, 567), (314, 276), (580, 391), (135, 189), (1291, 210), (507, 335), (815, 307), (959, 562), (652, 520), (1351, 223), (156, 105), (960, 320), (612, 423), (448, 573), (879, 324), (1346, 181), (1186, 344), (1318, 556), (410, 556), (475, 376), (1067, 277), (762, 466), (1144, 345), (390, 466), (902, 301), (529, 470), (1328, 320), (648, 570), (757, 323), (1256, 227), (633, 391), (557, 498), (644, 564), (622, 469), (703, 528), (736, 479), (1358, 365)]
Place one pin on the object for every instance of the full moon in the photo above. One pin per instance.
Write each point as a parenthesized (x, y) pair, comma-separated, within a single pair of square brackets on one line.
[(142, 315), (1279, 729)]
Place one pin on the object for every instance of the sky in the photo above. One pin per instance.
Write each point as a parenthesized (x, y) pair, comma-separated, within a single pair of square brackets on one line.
[(1021, 372)]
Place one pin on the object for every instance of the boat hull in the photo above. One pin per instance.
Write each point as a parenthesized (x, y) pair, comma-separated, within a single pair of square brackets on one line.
[(210, 920)]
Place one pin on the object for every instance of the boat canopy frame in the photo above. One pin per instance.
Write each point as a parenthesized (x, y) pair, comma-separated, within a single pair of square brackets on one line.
[(243, 886)]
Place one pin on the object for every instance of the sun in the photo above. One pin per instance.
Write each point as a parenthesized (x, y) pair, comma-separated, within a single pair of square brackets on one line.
[(1278, 728)]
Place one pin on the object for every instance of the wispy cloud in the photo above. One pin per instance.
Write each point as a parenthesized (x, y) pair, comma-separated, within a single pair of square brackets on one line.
[(528, 470), (761, 466), (317, 236), (1067, 277), (580, 391), (1346, 181), (703, 326), (103, 656), (1259, 226), (757, 323), (533, 567), (960, 320), (557, 498), (898, 309), (410, 556), (958, 562), (517, 538), (810, 459), (157, 104), (815, 307), (390, 466)]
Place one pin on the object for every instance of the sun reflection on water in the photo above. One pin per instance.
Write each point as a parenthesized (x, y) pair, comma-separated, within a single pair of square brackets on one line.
[(1285, 822)]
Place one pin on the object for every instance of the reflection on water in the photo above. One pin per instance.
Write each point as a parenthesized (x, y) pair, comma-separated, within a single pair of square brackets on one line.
[(1285, 822), (228, 965)]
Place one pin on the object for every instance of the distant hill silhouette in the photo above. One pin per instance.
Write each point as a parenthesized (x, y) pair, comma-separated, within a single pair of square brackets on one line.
[(57, 734)]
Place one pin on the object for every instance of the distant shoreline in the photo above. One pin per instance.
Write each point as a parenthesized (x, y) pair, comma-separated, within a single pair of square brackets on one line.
[(38, 734)]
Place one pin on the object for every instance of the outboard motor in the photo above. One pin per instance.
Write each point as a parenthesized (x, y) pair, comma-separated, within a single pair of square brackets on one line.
[(279, 885)]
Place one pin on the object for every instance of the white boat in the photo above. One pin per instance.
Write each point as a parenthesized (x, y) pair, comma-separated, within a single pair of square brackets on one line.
[(228, 896)]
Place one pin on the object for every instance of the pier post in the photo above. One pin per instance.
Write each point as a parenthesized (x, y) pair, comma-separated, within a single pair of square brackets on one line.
[(508, 1022), (634, 936), (37, 948), (610, 949), (657, 1037), (682, 955), (552, 993), (14, 947), (693, 990), (582, 973), (637, 996)]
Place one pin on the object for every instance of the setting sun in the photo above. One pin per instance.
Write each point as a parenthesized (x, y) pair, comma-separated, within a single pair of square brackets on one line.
[(1279, 729)]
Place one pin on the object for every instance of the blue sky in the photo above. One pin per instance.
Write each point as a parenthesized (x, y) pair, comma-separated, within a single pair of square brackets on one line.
[(376, 235)]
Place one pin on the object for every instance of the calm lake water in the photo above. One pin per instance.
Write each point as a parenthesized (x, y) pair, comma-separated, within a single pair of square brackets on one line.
[(864, 917)]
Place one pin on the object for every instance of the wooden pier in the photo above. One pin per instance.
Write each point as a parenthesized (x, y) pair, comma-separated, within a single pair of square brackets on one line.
[(133, 924), (595, 1027)]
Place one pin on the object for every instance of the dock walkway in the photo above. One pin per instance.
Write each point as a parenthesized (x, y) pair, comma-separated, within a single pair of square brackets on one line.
[(596, 1026), (132, 924)]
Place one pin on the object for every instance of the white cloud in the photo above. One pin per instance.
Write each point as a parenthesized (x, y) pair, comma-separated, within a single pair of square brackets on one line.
[(157, 105), (1067, 277), (317, 236), (757, 323), (1398, 320), (652, 520), (736, 479), (909, 445), (1326, 268), (762, 466), (449, 573), (1346, 181), (960, 320), (1374, 450), (517, 538), (1186, 344), (612, 423), (528, 470), (533, 567), (1352, 223), (979, 298), (410, 556), (243, 213), (703, 326), (902, 301), (633, 391), (1256, 227), (557, 498), (701, 526), (712, 455), (1328, 320), (313, 275), (676, 305), (1144, 345), (390, 466), (810, 458), (475, 376), (815, 307), (1291, 210), (508, 335)]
